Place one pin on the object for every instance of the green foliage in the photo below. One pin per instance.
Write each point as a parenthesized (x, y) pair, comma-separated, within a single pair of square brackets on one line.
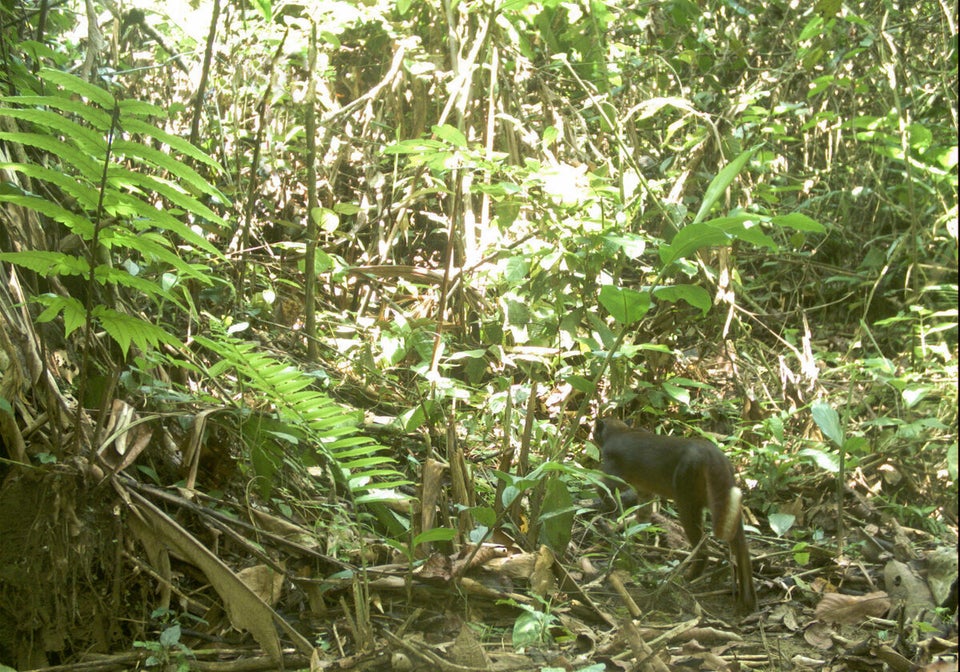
[(112, 180), (533, 627), (317, 428), (640, 208), (167, 651)]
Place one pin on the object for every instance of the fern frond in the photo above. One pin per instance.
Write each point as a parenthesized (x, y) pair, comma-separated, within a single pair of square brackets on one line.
[(173, 192), (94, 116), (155, 158), (47, 263), (74, 314), (127, 205), (128, 329), (360, 463), (78, 86), (108, 275), (178, 144), (154, 247), (85, 195), (90, 140), (82, 163)]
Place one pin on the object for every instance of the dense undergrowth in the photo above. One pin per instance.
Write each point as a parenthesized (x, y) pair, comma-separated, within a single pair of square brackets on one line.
[(353, 242)]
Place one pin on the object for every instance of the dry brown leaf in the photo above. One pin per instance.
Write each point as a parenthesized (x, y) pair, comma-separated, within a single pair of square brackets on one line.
[(432, 487), (263, 581), (806, 662), (436, 567), (849, 609), (705, 660), (519, 566), (906, 588), (710, 635), (819, 635), (244, 608), (542, 581), (786, 614), (467, 650)]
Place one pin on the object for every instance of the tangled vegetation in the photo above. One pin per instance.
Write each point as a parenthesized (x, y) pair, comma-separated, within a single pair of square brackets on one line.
[(309, 309)]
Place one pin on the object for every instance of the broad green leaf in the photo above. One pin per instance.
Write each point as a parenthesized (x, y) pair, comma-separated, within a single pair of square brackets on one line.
[(750, 232), (798, 221), (856, 446), (483, 515), (418, 146), (625, 305), (722, 181), (780, 523), (915, 394), (265, 7), (828, 421), (677, 393), (691, 238), (695, 295), (826, 461), (436, 534), (326, 219), (170, 636), (556, 521), (581, 384), (529, 629), (633, 246), (451, 134)]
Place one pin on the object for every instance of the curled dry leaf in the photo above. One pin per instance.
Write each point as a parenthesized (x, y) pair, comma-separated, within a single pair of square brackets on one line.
[(849, 609), (818, 634), (467, 650), (263, 581), (907, 588), (542, 581), (807, 663)]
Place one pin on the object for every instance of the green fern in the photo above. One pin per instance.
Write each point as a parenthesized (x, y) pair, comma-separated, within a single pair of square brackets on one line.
[(127, 206), (357, 463)]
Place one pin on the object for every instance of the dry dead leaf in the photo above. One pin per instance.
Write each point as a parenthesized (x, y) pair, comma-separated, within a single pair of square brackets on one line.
[(467, 650), (850, 609), (806, 662), (245, 609), (819, 635), (542, 581), (436, 567), (519, 566), (786, 614), (263, 581), (905, 587)]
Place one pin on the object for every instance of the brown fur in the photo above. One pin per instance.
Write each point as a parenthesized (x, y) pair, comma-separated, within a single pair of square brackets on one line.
[(695, 475)]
